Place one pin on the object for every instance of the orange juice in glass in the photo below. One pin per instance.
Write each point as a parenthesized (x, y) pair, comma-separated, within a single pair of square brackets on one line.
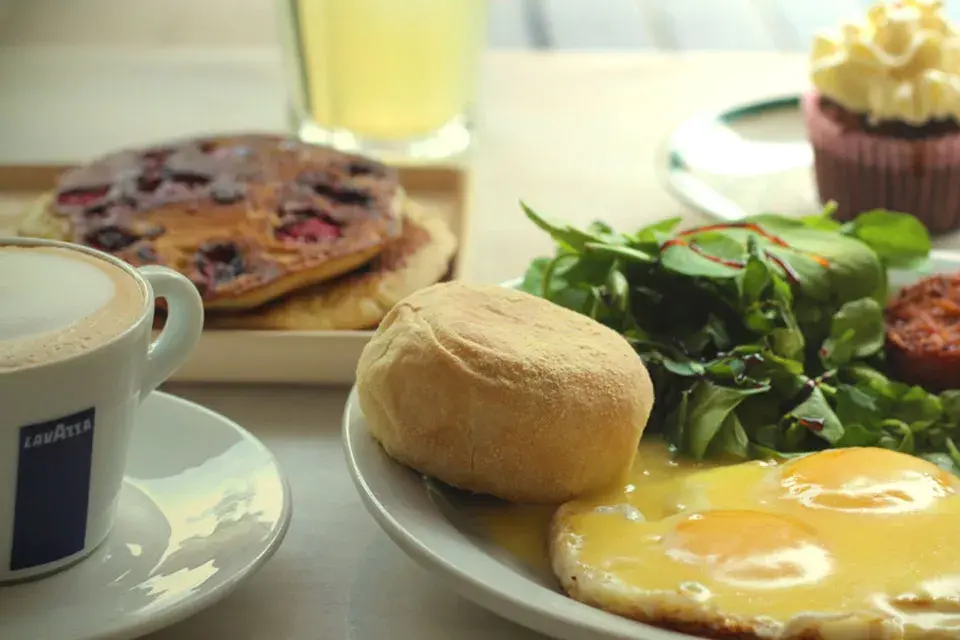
[(394, 78)]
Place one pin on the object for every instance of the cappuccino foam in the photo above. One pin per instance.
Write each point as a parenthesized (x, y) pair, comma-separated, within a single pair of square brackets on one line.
[(56, 303)]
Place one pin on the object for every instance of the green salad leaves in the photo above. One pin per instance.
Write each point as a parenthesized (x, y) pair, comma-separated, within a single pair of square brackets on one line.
[(764, 338)]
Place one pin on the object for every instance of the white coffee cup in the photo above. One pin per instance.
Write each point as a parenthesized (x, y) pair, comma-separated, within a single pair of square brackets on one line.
[(69, 392)]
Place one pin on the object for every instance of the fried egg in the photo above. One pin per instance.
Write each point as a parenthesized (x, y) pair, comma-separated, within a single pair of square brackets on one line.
[(845, 543)]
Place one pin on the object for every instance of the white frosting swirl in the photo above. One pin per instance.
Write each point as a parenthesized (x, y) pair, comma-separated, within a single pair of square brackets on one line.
[(901, 63)]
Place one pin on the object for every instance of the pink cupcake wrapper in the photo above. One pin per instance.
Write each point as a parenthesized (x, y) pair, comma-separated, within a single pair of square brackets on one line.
[(863, 171)]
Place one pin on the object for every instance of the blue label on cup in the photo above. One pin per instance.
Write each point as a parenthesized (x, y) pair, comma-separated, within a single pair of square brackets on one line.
[(53, 490)]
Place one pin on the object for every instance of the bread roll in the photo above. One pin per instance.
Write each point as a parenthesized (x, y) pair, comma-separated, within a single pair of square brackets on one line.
[(499, 392)]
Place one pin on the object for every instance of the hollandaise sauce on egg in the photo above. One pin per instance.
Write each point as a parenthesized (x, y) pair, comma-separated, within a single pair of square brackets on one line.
[(844, 543)]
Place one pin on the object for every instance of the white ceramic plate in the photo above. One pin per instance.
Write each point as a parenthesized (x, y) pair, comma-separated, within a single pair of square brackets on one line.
[(204, 505), (750, 158), (434, 530), (426, 523)]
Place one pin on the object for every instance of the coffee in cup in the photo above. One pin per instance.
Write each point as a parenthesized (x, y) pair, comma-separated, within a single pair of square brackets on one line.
[(58, 303), (76, 359)]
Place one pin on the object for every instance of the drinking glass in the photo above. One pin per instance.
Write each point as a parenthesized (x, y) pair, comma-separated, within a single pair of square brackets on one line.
[(392, 78)]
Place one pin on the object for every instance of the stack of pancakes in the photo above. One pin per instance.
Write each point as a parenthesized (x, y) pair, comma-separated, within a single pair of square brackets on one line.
[(275, 233)]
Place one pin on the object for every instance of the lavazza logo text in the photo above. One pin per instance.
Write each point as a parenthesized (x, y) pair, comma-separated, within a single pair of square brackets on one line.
[(63, 431)]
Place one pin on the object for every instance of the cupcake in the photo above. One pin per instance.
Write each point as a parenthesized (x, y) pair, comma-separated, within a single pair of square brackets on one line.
[(884, 114)]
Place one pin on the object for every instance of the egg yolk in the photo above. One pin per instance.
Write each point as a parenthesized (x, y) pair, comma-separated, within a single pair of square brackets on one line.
[(750, 548), (867, 480)]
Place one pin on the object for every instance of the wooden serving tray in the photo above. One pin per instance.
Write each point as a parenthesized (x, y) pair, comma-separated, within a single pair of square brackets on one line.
[(312, 357)]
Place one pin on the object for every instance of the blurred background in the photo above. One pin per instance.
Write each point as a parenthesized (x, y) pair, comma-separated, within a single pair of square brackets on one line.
[(396, 78), (766, 25)]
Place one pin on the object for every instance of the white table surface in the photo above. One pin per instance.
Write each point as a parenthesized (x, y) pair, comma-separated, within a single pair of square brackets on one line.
[(573, 134)]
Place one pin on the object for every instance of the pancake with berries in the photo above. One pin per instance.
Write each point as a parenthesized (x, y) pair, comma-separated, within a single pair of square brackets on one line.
[(419, 258), (247, 218)]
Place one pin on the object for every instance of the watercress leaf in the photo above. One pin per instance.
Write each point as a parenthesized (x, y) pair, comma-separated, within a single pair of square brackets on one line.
[(747, 349), (794, 436), (695, 341), (671, 358), (868, 379), (783, 296), (754, 279), (882, 292), (760, 318), (950, 401), (619, 251), (603, 230), (773, 220), (572, 298), (760, 452), (596, 303), (820, 221), (587, 269), (784, 374), (888, 441), (857, 435), (839, 350), (728, 368), (709, 406), (533, 278), (813, 318), (787, 343), (680, 258), (900, 239), (648, 295), (855, 406), (758, 410), (732, 440), (808, 273), (674, 428), (686, 368), (769, 436), (815, 415), (618, 289), (952, 451), (916, 405), (856, 331), (553, 277), (708, 338), (635, 334), (823, 220), (829, 266), (565, 235), (649, 238), (718, 333), (719, 244), (902, 435)]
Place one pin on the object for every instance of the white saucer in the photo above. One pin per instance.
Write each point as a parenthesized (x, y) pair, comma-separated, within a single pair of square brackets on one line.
[(203, 506)]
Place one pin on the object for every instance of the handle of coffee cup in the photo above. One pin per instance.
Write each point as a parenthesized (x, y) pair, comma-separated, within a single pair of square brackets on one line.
[(182, 330)]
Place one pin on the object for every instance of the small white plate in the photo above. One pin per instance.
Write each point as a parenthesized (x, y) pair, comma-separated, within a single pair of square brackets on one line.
[(431, 526), (204, 505), (749, 158)]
